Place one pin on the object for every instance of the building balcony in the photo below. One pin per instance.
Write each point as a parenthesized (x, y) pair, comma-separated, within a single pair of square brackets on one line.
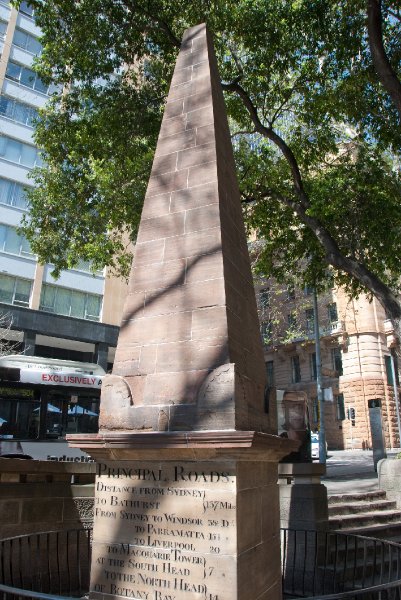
[(329, 332)]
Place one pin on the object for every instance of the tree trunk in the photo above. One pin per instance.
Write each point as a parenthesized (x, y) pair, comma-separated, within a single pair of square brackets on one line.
[(385, 72)]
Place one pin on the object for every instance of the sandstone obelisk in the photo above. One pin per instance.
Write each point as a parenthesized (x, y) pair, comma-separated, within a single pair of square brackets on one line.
[(186, 503)]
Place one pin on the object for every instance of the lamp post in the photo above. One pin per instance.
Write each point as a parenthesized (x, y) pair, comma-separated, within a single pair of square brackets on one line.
[(320, 398)]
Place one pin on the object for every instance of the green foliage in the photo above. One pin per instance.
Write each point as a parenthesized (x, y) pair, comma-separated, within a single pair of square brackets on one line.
[(312, 83)]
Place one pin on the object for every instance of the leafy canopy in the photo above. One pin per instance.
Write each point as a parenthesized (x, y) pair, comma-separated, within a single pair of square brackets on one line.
[(316, 137)]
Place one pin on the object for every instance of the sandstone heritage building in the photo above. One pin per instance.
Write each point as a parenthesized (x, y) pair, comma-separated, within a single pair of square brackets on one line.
[(357, 346)]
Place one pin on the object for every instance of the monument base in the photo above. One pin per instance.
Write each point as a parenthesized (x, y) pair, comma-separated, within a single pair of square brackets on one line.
[(199, 523)]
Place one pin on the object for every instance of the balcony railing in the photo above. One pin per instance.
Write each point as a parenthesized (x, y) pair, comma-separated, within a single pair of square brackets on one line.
[(315, 565)]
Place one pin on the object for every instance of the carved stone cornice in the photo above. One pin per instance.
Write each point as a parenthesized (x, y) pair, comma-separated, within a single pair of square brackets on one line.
[(185, 445)]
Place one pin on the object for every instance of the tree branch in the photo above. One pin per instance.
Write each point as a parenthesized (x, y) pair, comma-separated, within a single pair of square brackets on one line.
[(350, 265), (268, 132), (385, 72)]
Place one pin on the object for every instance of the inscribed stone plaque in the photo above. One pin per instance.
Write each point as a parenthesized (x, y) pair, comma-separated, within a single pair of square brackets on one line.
[(165, 531)]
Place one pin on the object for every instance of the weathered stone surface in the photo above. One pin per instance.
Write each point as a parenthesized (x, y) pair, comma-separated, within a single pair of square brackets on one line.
[(189, 351), (184, 530)]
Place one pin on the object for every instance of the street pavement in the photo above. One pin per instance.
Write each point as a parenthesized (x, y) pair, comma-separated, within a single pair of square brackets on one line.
[(351, 471)]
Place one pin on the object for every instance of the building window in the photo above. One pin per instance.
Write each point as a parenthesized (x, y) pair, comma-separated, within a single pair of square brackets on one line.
[(12, 194), (72, 303), (26, 77), (332, 313), (3, 29), (270, 373), (295, 369), (389, 369), (12, 242), (337, 360), (19, 153), (17, 111), (264, 298), (27, 42), (340, 407), (26, 9), (14, 290), (313, 366), (86, 267), (292, 320), (266, 330), (308, 290), (310, 320)]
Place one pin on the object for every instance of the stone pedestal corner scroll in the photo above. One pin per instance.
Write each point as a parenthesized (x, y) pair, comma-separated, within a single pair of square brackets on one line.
[(186, 504)]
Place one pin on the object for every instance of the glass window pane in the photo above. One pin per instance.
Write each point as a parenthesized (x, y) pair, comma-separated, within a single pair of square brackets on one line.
[(40, 86), (6, 289), (19, 197), (25, 247), (10, 149), (63, 301), (3, 27), (13, 241), (3, 234), (21, 113), (6, 106), (31, 115), (77, 305), (22, 292), (33, 45), (5, 191), (28, 155), (13, 71), (27, 77), (93, 306), (38, 159), (3, 146), (26, 9), (20, 38), (48, 297), (332, 310)]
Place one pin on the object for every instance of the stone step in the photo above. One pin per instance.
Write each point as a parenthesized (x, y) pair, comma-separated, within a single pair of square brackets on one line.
[(364, 520), (351, 508), (383, 531), (360, 497), (359, 575)]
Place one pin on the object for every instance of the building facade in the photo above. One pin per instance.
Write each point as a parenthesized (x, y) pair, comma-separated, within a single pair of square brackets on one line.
[(74, 318), (358, 352)]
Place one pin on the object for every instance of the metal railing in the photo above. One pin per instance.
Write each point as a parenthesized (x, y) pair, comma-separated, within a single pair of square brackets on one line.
[(320, 565), (48, 565), (328, 565)]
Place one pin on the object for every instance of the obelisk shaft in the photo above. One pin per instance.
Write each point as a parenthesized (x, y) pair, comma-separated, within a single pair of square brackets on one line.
[(189, 355), (186, 504)]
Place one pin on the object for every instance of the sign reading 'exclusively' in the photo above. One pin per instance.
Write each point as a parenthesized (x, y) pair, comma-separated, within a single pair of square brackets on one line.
[(60, 378), (165, 531)]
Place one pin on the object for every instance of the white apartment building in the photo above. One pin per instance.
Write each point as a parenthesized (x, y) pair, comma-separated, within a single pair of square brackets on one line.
[(74, 318)]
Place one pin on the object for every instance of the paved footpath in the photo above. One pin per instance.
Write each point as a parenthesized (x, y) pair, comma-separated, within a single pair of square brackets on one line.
[(351, 471)]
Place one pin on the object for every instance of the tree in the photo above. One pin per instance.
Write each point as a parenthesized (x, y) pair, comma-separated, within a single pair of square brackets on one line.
[(317, 135), (9, 343)]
